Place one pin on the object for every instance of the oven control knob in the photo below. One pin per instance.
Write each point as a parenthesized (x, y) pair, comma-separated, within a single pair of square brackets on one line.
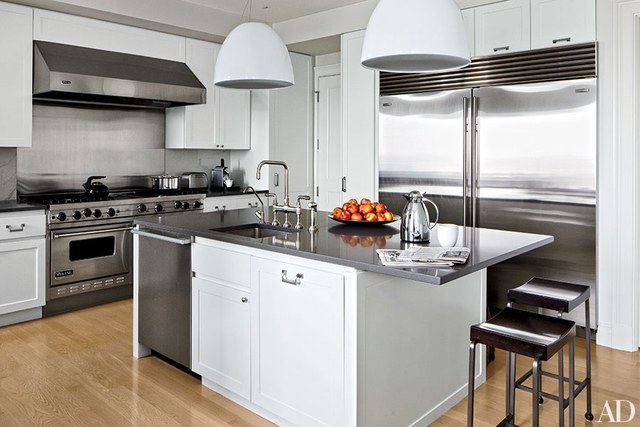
[(142, 207), (158, 208), (111, 212), (87, 212), (77, 215), (61, 216), (177, 205), (185, 205), (197, 204), (97, 213)]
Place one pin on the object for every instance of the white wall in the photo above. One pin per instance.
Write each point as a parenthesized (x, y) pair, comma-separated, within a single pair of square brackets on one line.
[(243, 164)]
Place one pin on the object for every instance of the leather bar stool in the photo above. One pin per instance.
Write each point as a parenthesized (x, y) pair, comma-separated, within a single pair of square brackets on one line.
[(529, 334), (562, 297)]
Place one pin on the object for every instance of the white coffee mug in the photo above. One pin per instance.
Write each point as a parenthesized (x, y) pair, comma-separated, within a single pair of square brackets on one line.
[(447, 234)]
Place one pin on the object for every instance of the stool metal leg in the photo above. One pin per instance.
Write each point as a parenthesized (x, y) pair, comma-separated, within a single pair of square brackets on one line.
[(588, 415), (512, 387), (536, 392), (472, 376), (572, 395), (560, 389)]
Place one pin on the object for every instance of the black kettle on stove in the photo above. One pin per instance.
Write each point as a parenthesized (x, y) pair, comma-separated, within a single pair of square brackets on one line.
[(95, 190)]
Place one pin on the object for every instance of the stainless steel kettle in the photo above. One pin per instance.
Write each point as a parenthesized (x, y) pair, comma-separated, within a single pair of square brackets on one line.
[(415, 224)]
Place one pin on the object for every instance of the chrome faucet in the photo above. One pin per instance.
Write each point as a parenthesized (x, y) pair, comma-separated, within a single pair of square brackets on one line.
[(286, 176), (260, 212), (285, 207)]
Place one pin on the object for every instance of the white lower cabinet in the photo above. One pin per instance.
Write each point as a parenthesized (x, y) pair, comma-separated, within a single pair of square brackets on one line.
[(22, 262), (221, 335), (298, 347), (278, 345)]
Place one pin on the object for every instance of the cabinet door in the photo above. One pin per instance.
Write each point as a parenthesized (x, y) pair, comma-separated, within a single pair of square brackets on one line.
[(468, 18), (96, 34), (233, 119), (502, 27), (194, 126), (221, 339), (558, 22), (22, 268), (359, 121), (16, 73), (298, 344)]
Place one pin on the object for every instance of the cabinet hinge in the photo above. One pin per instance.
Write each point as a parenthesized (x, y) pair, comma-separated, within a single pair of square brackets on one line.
[(317, 92), (318, 144), (317, 191)]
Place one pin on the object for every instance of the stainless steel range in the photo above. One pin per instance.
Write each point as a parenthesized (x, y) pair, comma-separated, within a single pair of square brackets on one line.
[(89, 243)]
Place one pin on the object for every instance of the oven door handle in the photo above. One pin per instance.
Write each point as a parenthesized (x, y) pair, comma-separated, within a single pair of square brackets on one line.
[(84, 233), (177, 240)]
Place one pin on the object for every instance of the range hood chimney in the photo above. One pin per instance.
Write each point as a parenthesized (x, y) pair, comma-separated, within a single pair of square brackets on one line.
[(72, 74)]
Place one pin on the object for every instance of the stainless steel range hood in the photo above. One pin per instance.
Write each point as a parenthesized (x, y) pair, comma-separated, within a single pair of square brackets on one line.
[(73, 74)]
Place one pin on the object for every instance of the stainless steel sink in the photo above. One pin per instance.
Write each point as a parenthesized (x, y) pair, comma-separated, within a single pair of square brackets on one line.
[(256, 231)]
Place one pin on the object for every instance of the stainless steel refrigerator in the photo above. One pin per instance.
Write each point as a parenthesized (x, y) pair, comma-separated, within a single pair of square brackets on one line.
[(518, 157)]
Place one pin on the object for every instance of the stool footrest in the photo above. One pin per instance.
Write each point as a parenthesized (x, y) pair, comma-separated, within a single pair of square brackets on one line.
[(581, 385)]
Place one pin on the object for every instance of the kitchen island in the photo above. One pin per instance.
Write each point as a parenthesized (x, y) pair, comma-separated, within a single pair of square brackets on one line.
[(311, 329)]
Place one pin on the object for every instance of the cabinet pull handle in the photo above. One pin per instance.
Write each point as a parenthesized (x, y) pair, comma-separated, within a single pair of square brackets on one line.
[(244, 300), (498, 49), (276, 180), (13, 229), (297, 281), (344, 184), (565, 39)]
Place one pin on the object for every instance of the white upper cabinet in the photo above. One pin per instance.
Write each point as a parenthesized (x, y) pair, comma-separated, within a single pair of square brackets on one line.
[(95, 34), (468, 18), (194, 126), (233, 119), (502, 27), (16, 73), (559, 22), (223, 122)]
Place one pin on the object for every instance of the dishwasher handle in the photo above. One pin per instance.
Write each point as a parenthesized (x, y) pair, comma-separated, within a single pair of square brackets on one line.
[(177, 240)]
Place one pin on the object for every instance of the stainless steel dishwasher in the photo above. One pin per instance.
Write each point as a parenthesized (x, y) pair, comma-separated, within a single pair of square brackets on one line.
[(164, 294)]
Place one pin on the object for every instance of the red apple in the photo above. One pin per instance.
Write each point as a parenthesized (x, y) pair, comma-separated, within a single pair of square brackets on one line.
[(352, 209), (356, 217), (345, 215), (381, 208), (365, 209), (371, 217), (365, 202), (388, 216), (352, 202)]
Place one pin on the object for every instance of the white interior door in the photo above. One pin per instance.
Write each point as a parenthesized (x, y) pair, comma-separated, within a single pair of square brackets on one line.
[(328, 144)]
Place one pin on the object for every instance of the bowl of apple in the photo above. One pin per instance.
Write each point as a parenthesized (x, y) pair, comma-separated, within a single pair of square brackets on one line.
[(366, 213)]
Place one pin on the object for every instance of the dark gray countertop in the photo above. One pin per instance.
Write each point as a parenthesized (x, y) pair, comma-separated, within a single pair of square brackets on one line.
[(14, 206), (352, 245)]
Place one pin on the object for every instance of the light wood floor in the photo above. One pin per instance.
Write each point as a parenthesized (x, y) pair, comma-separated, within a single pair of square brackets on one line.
[(76, 369)]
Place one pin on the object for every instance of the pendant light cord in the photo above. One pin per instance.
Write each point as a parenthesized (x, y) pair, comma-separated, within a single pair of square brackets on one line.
[(248, 4)]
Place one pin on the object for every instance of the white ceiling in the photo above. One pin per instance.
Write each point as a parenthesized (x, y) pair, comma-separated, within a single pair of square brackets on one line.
[(272, 11)]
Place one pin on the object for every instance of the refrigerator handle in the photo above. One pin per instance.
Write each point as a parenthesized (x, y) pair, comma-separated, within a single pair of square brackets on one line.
[(474, 160), (465, 162)]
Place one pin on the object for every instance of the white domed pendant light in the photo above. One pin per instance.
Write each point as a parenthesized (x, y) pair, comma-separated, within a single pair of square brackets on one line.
[(415, 36), (253, 56)]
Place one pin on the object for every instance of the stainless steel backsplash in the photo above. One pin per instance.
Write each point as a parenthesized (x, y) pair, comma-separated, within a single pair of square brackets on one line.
[(125, 145)]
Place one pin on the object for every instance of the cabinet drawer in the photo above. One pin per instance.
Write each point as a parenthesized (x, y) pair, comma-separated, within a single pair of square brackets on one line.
[(22, 225), (224, 265)]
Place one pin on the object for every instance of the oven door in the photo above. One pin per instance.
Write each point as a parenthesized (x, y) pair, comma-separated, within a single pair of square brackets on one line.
[(86, 253)]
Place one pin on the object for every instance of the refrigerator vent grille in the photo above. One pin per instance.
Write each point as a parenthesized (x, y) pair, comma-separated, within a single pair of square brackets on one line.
[(540, 65)]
